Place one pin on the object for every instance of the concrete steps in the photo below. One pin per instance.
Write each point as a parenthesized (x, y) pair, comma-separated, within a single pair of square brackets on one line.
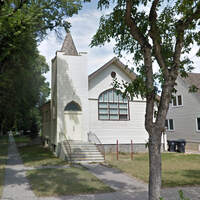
[(84, 152)]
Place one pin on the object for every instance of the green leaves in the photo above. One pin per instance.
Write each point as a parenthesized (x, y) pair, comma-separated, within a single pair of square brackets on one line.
[(136, 88), (36, 17), (193, 89), (23, 24), (168, 16)]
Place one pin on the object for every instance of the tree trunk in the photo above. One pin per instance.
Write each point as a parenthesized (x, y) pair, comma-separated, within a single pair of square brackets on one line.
[(154, 165), (1, 130)]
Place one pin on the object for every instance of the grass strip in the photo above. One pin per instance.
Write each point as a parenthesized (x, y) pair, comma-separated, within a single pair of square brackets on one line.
[(177, 169), (37, 155), (22, 139), (68, 181)]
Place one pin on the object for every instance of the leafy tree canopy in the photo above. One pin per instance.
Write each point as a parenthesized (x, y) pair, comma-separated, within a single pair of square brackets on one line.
[(162, 31), (23, 24), (21, 17), (23, 88), (156, 24)]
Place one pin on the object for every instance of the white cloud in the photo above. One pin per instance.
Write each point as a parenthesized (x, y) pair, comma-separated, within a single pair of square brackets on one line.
[(84, 26)]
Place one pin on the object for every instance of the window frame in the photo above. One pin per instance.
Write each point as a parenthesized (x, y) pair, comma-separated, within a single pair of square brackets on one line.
[(198, 117), (108, 102), (168, 125), (176, 98)]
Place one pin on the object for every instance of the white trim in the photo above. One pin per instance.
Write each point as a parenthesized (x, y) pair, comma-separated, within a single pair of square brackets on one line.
[(176, 97), (94, 99), (73, 112), (168, 128)]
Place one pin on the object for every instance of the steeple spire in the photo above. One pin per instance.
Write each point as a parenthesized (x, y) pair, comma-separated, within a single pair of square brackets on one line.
[(68, 46)]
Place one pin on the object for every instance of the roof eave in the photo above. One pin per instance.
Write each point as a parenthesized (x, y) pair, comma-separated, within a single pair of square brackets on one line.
[(119, 64)]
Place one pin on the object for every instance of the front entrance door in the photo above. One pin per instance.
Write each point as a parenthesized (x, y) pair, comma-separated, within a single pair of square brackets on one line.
[(73, 125)]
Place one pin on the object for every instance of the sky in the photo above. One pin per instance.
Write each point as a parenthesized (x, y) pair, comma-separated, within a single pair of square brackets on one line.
[(84, 26)]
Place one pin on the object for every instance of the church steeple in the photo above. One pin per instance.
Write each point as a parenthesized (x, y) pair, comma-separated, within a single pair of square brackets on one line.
[(68, 46)]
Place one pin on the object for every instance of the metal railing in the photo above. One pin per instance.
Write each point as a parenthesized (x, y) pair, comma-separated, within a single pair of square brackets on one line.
[(94, 139), (66, 146)]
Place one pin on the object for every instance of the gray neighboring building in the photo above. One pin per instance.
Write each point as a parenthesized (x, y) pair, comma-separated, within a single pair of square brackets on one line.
[(183, 118)]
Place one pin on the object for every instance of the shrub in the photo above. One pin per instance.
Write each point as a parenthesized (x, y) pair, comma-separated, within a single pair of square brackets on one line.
[(34, 129)]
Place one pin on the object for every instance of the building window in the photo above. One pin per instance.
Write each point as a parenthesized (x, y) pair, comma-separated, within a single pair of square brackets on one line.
[(112, 106), (177, 101), (169, 124), (198, 123), (72, 106), (113, 74)]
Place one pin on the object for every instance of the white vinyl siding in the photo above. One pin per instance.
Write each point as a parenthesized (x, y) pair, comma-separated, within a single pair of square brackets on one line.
[(185, 117), (108, 131)]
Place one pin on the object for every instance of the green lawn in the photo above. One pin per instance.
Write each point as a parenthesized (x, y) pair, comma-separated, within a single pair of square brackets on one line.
[(57, 182), (22, 139), (68, 181), (37, 155), (177, 169), (3, 158)]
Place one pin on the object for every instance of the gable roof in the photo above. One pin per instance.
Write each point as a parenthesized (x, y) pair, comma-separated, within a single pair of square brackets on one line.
[(193, 79), (68, 46), (119, 64)]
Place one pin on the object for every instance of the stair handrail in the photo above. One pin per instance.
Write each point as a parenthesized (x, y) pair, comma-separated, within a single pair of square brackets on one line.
[(68, 147), (92, 137)]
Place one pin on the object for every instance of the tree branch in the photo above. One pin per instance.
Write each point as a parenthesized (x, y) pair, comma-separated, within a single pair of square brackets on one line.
[(181, 26), (155, 36), (22, 2), (134, 30), (195, 15), (150, 93), (168, 86), (146, 47), (164, 102)]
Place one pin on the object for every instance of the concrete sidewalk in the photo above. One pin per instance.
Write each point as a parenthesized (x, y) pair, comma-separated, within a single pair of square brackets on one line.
[(127, 188), (133, 189), (16, 186)]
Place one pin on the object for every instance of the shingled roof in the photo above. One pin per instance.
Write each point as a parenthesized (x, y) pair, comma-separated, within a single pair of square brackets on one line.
[(194, 79), (68, 46)]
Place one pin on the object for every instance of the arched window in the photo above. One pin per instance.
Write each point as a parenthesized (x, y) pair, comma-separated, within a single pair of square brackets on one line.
[(112, 106), (72, 106)]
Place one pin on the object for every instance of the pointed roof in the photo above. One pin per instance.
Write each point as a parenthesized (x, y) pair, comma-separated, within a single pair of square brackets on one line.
[(119, 64), (194, 79), (68, 46)]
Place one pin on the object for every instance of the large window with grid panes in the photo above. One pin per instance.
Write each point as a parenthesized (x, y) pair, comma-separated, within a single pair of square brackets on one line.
[(112, 106)]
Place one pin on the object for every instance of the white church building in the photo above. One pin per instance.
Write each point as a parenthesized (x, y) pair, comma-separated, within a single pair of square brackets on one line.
[(85, 109)]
